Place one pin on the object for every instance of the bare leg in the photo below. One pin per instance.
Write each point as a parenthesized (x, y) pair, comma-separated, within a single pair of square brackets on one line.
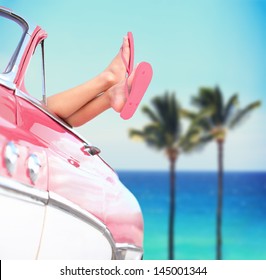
[(89, 111), (71, 101), (66, 103), (114, 97)]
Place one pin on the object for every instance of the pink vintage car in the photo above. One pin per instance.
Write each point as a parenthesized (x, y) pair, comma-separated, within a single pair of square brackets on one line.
[(58, 198)]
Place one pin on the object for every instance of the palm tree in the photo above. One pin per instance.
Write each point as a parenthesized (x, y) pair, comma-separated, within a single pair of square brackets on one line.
[(164, 133), (215, 124)]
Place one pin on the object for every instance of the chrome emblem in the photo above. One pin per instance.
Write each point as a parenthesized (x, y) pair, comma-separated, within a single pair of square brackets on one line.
[(11, 155), (34, 166)]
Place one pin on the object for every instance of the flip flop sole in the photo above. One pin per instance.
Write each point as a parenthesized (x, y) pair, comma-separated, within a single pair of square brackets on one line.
[(140, 83)]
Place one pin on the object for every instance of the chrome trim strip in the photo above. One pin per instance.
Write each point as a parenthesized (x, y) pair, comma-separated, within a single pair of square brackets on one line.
[(30, 26), (6, 83), (121, 247), (14, 189), (10, 76), (71, 208), (44, 99)]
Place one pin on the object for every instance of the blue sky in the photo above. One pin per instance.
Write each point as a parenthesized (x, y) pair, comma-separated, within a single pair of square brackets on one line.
[(189, 43)]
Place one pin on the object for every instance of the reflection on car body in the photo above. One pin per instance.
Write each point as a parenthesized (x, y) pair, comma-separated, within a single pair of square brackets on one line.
[(58, 198)]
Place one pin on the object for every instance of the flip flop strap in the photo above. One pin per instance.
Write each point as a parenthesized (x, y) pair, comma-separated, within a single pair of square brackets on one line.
[(126, 88), (124, 61)]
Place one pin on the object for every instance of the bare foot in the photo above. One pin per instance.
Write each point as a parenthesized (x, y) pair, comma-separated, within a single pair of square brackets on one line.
[(118, 93), (116, 71)]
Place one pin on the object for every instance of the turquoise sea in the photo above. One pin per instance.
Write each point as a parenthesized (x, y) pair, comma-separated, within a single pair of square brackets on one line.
[(244, 214)]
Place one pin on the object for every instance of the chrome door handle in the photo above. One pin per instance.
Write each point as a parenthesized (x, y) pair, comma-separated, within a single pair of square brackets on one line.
[(92, 150)]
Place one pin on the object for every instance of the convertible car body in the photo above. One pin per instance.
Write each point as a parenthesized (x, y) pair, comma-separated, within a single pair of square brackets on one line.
[(58, 198)]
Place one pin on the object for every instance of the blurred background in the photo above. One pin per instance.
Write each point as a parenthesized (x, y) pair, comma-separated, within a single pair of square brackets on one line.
[(190, 44)]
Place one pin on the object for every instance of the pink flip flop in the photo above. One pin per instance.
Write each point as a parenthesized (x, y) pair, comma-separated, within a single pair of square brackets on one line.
[(140, 83), (130, 64)]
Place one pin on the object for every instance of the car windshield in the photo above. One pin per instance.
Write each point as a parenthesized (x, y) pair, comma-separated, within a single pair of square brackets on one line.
[(11, 35)]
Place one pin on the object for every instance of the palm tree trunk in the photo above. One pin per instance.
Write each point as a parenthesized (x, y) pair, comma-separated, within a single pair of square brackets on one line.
[(219, 202), (171, 244)]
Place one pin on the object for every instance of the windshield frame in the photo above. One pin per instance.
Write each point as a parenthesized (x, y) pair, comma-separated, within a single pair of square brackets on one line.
[(8, 76)]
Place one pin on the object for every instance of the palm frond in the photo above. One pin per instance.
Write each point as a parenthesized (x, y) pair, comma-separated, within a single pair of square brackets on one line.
[(189, 140), (184, 113), (136, 134), (205, 123), (230, 108), (173, 116), (151, 134), (241, 114), (167, 109), (204, 99), (194, 139), (219, 106), (162, 106), (202, 142), (150, 113), (165, 128)]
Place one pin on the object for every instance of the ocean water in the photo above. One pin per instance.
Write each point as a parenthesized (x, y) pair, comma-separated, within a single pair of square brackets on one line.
[(244, 214)]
